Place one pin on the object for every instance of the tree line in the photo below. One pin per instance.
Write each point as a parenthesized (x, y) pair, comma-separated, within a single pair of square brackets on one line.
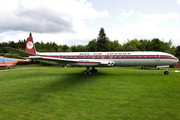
[(100, 44)]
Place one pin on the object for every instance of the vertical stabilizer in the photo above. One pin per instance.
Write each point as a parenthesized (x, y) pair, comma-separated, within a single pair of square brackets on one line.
[(30, 48)]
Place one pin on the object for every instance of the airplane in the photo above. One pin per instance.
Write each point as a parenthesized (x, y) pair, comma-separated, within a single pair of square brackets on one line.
[(96, 59), (9, 62)]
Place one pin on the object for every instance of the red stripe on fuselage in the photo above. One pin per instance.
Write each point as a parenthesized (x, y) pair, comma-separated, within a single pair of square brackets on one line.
[(115, 57)]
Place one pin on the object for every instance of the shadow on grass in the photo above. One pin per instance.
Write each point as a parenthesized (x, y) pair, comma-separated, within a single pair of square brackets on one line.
[(58, 82), (65, 81), (68, 81), (34, 84), (43, 80), (129, 73)]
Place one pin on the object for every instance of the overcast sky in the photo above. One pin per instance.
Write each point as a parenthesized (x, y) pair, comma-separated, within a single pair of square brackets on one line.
[(76, 22)]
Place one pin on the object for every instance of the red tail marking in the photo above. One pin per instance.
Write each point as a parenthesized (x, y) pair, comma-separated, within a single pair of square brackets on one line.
[(30, 46)]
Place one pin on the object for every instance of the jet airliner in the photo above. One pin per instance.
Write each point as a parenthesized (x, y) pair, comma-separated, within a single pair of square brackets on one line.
[(95, 59)]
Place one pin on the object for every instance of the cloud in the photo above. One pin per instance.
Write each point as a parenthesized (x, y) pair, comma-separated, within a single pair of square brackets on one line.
[(153, 19), (78, 38), (172, 15), (157, 18), (147, 28), (138, 31), (63, 22), (178, 1), (50, 16), (50, 20), (123, 13)]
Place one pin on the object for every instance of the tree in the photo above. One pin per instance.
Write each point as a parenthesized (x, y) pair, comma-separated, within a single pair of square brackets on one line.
[(80, 48), (21, 44), (120, 48), (132, 45), (156, 44), (91, 47), (168, 48), (65, 48), (172, 50), (128, 47), (59, 49), (114, 45), (178, 52), (102, 41), (37, 44), (12, 44), (1, 48), (145, 45), (73, 49)]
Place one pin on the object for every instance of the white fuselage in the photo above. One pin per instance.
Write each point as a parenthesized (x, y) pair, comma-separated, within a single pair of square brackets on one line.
[(117, 58)]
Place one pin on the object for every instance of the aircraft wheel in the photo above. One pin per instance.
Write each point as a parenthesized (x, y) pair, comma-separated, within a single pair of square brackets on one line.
[(90, 73), (94, 70), (166, 72), (85, 73)]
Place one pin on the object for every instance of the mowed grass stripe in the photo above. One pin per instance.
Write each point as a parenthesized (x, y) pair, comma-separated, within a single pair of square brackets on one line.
[(112, 93)]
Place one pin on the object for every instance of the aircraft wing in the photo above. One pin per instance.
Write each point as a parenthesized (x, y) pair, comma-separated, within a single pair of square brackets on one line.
[(58, 60), (73, 62), (20, 52)]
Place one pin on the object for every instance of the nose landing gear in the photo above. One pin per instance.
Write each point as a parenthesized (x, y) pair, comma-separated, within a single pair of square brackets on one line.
[(166, 72)]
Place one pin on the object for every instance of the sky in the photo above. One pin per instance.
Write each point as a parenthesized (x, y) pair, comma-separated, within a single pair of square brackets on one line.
[(76, 22)]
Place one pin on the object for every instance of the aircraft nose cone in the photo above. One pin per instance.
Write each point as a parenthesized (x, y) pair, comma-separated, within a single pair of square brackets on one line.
[(177, 60)]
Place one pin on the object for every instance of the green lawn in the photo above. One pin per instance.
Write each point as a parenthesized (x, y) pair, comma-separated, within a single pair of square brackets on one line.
[(112, 93)]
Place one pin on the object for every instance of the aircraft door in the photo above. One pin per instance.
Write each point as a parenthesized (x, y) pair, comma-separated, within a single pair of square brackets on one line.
[(93, 56), (110, 56), (102, 56), (157, 58)]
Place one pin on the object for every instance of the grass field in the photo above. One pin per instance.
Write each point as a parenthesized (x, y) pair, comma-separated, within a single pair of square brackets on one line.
[(112, 93)]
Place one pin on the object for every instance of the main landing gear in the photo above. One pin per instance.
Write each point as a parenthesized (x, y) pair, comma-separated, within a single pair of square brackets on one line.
[(90, 72)]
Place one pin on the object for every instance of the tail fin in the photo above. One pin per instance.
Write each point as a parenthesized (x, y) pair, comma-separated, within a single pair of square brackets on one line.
[(30, 48)]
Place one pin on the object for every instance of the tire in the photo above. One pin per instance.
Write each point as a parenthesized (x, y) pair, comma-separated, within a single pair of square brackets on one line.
[(85, 73), (94, 70), (166, 72), (90, 73)]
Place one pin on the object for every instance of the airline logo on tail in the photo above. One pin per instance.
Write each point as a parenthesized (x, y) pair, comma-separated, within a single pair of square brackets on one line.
[(30, 46)]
